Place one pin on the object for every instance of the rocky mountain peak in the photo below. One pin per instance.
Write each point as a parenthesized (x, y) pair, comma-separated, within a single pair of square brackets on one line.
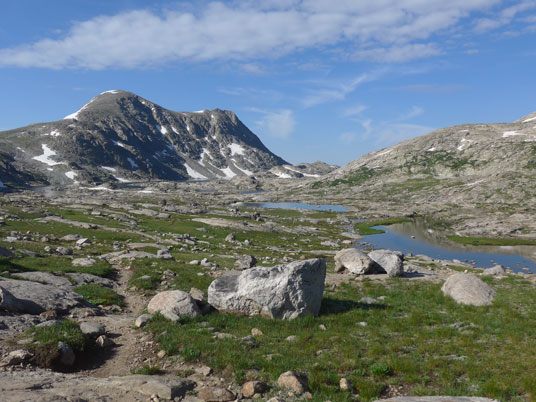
[(120, 136)]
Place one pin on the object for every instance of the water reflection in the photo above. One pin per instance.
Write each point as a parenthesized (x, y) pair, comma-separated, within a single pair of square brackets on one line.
[(294, 205), (418, 238)]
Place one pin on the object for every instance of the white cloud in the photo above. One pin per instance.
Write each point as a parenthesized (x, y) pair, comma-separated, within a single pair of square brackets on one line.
[(399, 54), (505, 17), (348, 137), (334, 91), (278, 124), (354, 110), (414, 112), (383, 30)]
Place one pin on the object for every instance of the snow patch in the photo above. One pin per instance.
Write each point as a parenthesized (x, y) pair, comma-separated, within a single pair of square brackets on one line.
[(385, 152), (122, 180), (2, 185), (187, 128), (111, 169), (45, 158), (111, 91), (146, 191), (194, 174), (200, 111), (303, 173), (20, 149), (163, 130), (228, 173), (119, 144), (473, 183), (463, 143), (431, 149), (282, 175), (54, 133), (507, 134), (245, 171), (71, 175), (531, 119), (236, 149), (133, 163)]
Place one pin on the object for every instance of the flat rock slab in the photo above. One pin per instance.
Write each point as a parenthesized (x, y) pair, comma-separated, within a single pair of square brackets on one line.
[(45, 277), (44, 386), (438, 399), (34, 297)]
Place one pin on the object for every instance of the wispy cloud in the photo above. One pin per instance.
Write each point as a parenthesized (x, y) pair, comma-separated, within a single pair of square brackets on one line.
[(505, 17), (354, 110), (413, 112), (329, 91), (385, 31), (277, 124), (348, 137)]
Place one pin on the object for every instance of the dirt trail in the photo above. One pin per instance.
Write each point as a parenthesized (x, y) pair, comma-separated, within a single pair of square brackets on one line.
[(132, 346)]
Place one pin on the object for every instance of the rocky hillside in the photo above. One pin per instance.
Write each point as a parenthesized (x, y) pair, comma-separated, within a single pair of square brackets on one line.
[(119, 136), (316, 169), (476, 152)]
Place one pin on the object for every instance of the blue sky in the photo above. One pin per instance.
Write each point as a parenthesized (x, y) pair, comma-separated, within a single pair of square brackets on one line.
[(314, 79)]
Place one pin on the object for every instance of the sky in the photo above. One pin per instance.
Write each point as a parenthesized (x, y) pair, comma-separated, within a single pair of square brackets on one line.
[(326, 80)]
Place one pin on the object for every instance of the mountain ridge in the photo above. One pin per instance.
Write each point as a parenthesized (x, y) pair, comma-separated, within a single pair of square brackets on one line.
[(120, 136)]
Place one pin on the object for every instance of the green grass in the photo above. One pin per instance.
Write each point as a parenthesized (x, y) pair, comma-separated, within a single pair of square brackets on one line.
[(45, 342), (488, 241), (53, 264), (410, 340), (365, 228), (99, 295), (147, 370)]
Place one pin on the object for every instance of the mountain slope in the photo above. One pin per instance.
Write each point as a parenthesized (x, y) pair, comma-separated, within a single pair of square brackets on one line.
[(463, 151), (119, 136)]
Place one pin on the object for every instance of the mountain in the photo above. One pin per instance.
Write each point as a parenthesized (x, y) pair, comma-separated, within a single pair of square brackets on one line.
[(119, 136), (466, 164)]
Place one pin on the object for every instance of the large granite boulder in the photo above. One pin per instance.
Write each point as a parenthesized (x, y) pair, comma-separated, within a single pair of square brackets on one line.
[(355, 261), (468, 289), (284, 291), (391, 262), (174, 304)]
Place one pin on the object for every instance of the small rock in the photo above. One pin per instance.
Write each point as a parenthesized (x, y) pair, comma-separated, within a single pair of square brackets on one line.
[(216, 394), (64, 251), (161, 354), (204, 371), (104, 342), (256, 332), (164, 255), (83, 262), (173, 304), (496, 270), (297, 383), (197, 294), (250, 388), (142, 320), (67, 356), (291, 338), (230, 238), (322, 327), (92, 329), (16, 357), (245, 262), (83, 242), (368, 300), (345, 385)]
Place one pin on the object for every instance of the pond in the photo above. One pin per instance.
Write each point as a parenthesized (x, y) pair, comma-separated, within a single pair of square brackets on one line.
[(294, 205), (415, 237)]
